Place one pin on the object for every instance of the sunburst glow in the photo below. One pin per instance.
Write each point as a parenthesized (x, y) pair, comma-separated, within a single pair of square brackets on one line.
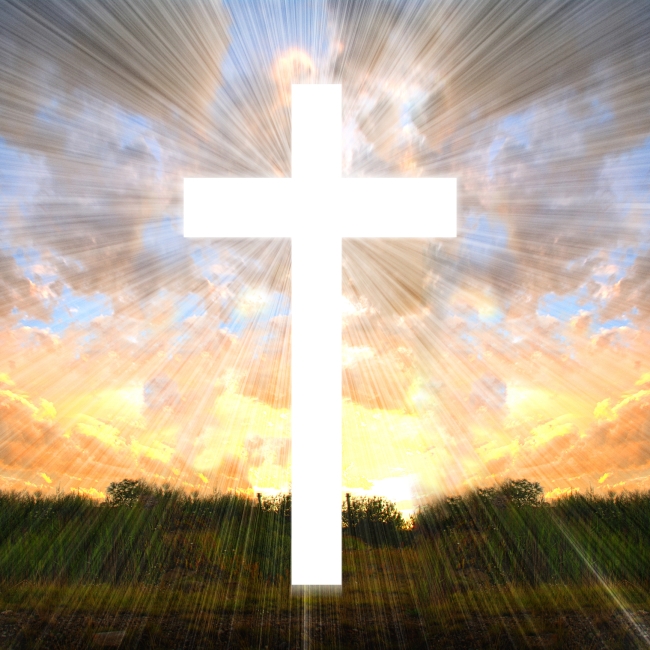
[(519, 349)]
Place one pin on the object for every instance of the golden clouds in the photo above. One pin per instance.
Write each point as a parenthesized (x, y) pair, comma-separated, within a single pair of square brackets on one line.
[(622, 440), (645, 379), (90, 432), (26, 435), (87, 425), (558, 492), (92, 492), (392, 451), (451, 371), (603, 410), (550, 431), (616, 436), (513, 401), (378, 381), (403, 430), (156, 451)]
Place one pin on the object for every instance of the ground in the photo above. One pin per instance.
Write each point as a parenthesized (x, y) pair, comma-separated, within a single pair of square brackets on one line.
[(325, 623)]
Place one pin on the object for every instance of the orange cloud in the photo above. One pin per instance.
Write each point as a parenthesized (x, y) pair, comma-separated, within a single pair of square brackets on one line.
[(558, 492)]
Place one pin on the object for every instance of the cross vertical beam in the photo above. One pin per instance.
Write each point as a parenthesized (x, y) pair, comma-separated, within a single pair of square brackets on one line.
[(316, 279)]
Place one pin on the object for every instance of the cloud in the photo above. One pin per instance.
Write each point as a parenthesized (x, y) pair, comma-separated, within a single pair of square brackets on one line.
[(17, 291), (632, 291), (112, 101), (559, 492), (161, 392), (488, 392), (545, 450), (477, 64), (381, 381), (268, 449), (149, 58), (498, 465), (392, 275), (267, 376), (93, 493), (29, 439), (232, 474), (380, 126), (621, 441), (527, 112)]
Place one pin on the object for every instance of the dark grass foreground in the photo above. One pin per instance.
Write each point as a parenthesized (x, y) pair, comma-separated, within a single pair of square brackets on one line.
[(156, 568)]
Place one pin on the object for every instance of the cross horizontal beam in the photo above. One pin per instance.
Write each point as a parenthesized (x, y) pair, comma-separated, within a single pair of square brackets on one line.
[(347, 207)]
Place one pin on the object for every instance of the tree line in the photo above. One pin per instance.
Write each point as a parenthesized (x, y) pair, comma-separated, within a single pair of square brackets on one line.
[(141, 532)]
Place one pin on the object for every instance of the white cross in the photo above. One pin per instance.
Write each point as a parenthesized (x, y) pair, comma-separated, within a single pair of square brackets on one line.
[(316, 208)]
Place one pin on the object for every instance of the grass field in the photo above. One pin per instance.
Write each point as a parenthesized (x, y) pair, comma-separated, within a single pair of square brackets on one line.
[(169, 570)]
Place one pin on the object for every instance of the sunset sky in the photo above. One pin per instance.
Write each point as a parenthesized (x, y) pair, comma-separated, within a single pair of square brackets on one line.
[(520, 349)]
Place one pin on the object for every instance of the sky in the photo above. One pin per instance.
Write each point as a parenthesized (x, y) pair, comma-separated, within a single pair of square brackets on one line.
[(520, 349)]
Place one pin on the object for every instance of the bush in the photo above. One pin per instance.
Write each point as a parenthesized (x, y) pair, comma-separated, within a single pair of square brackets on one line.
[(127, 492), (522, 492), (375, 520)]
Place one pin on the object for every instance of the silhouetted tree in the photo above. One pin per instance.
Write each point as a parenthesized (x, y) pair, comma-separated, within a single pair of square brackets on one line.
[(521, 492), (375, 520), (127, 492)]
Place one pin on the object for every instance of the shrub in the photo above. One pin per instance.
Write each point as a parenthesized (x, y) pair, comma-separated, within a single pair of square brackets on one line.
[(521, 492), (375, 520), (127, 492)]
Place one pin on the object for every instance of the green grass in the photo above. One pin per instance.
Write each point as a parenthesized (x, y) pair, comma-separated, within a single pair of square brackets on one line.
[(228, 550), (176, 570), (70, 539), (580, 539)]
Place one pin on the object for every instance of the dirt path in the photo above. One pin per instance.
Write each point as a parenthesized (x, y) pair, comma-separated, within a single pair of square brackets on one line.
[(68, 631)]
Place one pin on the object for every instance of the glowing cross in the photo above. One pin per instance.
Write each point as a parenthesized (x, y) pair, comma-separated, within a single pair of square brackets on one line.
[(316, 208)]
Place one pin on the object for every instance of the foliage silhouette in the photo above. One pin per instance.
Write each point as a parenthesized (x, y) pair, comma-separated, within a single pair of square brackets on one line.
[(159, 535), (375, 520)]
